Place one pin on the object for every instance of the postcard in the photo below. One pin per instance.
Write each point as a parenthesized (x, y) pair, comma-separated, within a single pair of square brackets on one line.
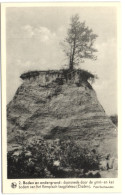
[(61, 124)]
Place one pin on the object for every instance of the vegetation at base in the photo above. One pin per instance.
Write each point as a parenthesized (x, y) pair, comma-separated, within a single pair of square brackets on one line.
[(51, 159)]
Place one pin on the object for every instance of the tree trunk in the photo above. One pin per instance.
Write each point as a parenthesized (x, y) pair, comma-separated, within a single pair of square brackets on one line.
[(71, 63), (73, 54)]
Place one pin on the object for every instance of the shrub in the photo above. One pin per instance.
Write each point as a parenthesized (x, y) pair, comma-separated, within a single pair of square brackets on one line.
[(46, 159), (114, 119)]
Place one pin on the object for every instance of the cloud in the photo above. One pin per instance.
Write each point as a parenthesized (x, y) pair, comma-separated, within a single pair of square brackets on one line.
[(28, 31), (42, 33)]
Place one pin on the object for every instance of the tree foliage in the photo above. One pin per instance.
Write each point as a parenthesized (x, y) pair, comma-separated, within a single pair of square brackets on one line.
[(79, 42)]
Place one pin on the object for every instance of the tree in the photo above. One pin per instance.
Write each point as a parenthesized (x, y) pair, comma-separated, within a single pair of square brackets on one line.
[(78, 44)]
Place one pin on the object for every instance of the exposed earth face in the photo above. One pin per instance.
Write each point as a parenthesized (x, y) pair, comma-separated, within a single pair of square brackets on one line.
[(57, 108)]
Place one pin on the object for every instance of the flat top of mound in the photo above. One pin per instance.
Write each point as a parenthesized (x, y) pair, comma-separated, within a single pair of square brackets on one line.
[(63, 72)]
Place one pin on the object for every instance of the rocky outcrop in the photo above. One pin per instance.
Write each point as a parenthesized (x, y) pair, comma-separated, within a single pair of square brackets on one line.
[(60, 105)]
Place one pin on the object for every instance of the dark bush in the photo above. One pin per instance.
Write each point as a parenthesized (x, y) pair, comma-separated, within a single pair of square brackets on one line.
[(114, 119), (46, 159)]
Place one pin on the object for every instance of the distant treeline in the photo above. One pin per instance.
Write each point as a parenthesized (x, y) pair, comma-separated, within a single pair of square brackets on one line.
[(114, 119)]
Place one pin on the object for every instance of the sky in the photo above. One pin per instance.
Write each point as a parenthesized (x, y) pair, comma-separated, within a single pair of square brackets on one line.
[(33, 36)]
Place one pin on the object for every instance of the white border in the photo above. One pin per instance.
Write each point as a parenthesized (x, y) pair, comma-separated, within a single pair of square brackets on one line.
[(123, 80)]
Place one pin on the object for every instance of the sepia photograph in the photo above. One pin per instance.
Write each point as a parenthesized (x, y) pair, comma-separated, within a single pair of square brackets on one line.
[(61, 91)]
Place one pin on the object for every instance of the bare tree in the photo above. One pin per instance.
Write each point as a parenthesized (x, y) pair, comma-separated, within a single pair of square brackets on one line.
[(78, 44)]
